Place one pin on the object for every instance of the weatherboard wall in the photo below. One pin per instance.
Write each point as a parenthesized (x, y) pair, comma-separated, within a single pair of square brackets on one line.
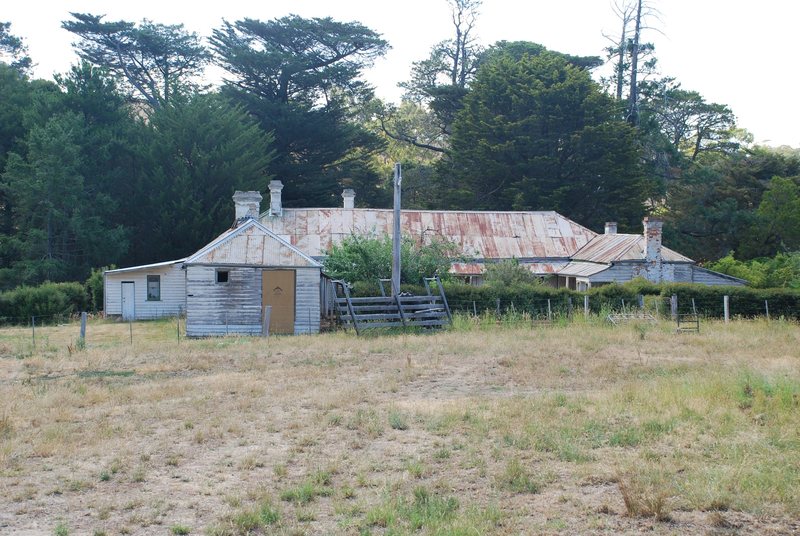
[(173, 292)]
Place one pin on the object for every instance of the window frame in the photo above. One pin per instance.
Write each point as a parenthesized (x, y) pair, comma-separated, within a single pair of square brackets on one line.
[(217, 277), (150, 278)]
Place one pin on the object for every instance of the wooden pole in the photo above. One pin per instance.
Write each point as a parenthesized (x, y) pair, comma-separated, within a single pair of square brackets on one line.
[(766, 308), (726, 304), (265, 321), (474, 309), (130, 329), (549, 311), (497, 308), (640, 297), (33, 330), (586, 306), (398, 180), (673, 306), (83, 327)]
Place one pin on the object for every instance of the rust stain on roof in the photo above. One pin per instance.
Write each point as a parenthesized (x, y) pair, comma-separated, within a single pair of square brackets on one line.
[(609, 248), (484, 235)]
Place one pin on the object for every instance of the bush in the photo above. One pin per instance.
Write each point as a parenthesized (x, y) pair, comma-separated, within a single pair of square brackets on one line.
[(507, 273), (94, 288), (367, 259), (45, 300)]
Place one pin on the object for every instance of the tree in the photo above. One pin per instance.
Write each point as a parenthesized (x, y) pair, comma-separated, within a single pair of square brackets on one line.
[(438, 83), (690, 124), (197, 154), (300, 79), (154, 63), (12, 48), (780, 213), (537, 133)]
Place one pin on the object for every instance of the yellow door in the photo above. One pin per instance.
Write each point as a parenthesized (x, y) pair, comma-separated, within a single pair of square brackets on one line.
[(277, 290)]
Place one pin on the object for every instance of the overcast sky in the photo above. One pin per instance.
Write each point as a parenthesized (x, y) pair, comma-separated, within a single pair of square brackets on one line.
[(733, 52)]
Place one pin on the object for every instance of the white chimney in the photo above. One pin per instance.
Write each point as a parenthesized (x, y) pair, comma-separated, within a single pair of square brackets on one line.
[(275, 206), (349, 196), (611, 227), (652, 248), (247, 204)]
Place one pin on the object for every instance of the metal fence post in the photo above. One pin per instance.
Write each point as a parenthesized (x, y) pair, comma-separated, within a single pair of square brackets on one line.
[(586, 306), (766, 308), (726, 304), (549, 311)]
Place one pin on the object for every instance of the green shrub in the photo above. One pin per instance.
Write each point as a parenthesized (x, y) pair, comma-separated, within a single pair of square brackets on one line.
[(94, 288), (45, 300)]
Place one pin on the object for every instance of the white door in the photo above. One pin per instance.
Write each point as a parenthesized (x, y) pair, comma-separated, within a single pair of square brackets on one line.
[(128, 300)]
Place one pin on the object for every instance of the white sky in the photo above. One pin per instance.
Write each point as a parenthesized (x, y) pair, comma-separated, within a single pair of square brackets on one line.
[(734, 52)]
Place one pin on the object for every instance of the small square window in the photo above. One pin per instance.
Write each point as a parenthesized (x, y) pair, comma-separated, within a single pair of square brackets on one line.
[(153, 288), (222, 276)]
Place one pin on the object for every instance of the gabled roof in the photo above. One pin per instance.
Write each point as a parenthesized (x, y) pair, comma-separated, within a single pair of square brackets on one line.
[(250, 243), (607, 248), (530, 236)]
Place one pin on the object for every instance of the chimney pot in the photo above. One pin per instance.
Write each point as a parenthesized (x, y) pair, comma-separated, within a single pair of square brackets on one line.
[(611, 227), (349, 196), (275, 205), (247, 204)]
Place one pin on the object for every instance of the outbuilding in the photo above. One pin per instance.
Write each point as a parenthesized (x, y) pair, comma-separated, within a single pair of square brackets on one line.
[(226, 286)]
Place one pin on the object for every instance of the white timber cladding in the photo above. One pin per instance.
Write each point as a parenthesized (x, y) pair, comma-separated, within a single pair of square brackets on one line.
[(172, 296), (307, 300), (221, 308), (235, 307)]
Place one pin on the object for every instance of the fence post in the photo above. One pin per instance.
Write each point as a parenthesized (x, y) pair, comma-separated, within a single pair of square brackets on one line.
[(640, 297), (130, 328), (766, 308), (33, 330), (178, 326), (265, 321), (474, 309), (726, 304), (83, 327), (549, 311), (673, 306), (586, 306), (497, 310), (569, 306)]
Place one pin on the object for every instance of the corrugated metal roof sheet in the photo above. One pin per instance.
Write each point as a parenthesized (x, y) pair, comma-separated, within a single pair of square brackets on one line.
[(253, 244), (144, 267), (483, 235), (608, 248), (477, 268), (582, 269)]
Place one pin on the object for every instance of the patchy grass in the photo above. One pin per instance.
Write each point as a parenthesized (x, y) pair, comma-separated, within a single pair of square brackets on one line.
[(486, 429)]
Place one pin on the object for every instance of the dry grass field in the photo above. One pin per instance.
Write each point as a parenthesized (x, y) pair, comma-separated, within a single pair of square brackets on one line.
[(575, 429)]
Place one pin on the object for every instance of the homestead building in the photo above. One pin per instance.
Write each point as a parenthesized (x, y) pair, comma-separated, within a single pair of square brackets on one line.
[(275, 259)]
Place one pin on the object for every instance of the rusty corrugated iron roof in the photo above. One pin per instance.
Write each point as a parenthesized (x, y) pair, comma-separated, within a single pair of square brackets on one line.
[(251, 243), (478, 268), (482, 235), (609, 248)]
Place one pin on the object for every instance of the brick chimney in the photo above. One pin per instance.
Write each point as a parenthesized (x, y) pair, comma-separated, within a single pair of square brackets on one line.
[(247, 204), (275, 206), (349, 196), (652, 248), (611, 227)]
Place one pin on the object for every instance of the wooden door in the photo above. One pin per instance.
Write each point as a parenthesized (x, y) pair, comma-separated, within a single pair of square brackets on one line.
[(278, 291), (128, 300)]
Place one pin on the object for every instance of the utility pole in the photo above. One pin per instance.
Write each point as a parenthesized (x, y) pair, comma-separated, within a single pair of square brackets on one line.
[(398, 180)]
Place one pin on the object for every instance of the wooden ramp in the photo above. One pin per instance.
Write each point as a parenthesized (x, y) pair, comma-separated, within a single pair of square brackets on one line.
[(398, 311)]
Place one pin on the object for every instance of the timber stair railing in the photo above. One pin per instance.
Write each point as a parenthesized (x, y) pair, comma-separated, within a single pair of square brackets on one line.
[(401, 310)]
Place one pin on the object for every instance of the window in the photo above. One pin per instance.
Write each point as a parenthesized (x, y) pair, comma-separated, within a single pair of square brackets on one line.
[(153, 288), (222, 276)]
